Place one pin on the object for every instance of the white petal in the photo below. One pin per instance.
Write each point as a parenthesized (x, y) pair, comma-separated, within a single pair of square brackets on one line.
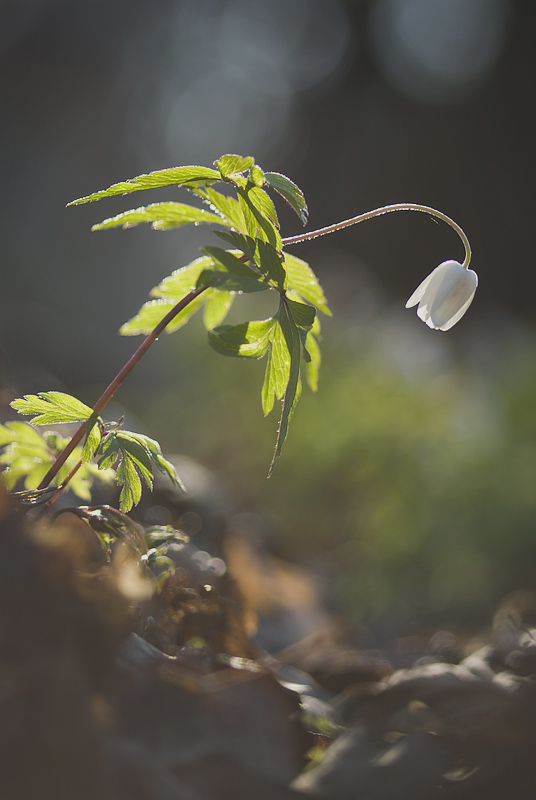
[(459, 314), (453, 296), (437, 279), (424, 286)]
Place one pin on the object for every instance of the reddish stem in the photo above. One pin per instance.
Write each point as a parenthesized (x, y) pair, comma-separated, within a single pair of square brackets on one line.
[(107, 395)]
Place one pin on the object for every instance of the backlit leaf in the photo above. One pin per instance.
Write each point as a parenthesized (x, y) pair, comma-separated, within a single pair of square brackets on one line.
[(182, 280), (302, 280), (93, 438), (256, 175), (229, 165), (130, 483), (313, 365), (277, 368), (258, 223), (52, 407), (248, 340), (270, 263), (134, 454), (180, 176), (228, 207), (293, 388), (230, 273), (153, 312), (262, 202), (217, 307), (240, 241), (292, 193), (28, 456), (163, 216)]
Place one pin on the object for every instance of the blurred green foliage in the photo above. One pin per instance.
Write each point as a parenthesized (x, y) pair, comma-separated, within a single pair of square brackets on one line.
[(410, 491)]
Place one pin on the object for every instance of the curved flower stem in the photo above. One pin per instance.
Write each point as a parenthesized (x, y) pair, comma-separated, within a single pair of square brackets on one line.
[(377, 212), (107, 395)]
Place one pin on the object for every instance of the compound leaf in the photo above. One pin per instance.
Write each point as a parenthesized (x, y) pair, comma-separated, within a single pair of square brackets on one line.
[(52, 407), (28, 456), (155, 453), (134, 454)]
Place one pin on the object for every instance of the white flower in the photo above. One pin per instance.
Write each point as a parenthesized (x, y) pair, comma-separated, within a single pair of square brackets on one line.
[(445, 295)]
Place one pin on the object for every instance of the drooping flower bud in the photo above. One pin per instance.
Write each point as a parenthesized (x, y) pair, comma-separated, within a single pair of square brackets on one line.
[(445, 295)]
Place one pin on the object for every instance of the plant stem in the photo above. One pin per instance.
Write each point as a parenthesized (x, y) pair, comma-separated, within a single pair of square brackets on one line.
[(107, 395), (304, 237), (58, 491)]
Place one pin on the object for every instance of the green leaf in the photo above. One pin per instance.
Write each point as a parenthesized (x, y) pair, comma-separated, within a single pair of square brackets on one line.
[(230, 165), (181, 281), (52, 407), (268, 387), (302, 315), (277, 368), (302, 280), (241, 242), (155, 454), (258, 223), (313, 365), (256, 175), (230, 273), (119, 446), (130, 483), (248, 340), (153, 312), (270, 263), (163, 216), (180, 176), (228, 207), (169, 292), (22, 433), (93, 438), (135, 454), (292, 193), (217, 307), (293, 388), (128, 445), (262, 202), (28, 457)]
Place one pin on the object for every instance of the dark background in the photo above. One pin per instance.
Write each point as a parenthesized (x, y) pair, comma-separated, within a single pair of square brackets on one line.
[(362, 104)]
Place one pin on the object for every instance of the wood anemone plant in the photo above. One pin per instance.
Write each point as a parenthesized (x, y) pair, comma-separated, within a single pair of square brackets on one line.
[(253, 259)]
